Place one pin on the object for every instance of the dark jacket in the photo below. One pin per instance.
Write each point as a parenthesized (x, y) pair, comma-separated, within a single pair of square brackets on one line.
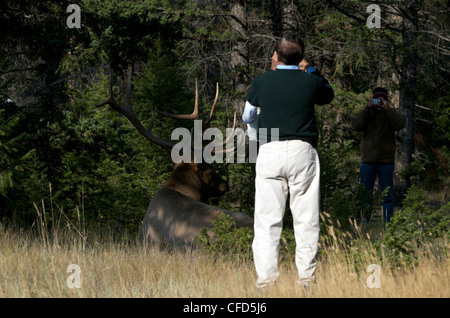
[(378, 133)]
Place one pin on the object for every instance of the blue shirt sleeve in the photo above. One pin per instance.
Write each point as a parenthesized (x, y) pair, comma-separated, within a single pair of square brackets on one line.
[(310, 70)]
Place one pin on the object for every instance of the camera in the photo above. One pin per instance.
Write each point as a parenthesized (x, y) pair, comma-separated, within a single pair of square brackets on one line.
[(376, 107), (377, 102)]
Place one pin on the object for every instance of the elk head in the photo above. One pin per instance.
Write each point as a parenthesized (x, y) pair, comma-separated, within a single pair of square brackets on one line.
[(197, 180)]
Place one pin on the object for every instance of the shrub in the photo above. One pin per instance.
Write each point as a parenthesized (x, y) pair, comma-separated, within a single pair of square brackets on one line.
[(237, 243), (415, 225), (228, 240)]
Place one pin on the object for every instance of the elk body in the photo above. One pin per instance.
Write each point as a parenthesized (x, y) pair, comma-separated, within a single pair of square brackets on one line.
[(178, 211)]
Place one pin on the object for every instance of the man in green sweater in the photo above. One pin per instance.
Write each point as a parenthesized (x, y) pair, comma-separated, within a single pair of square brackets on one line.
[(378, 123), (287, 162)]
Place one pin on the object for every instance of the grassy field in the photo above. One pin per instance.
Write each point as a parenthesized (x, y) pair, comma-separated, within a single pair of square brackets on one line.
[(33, 265)]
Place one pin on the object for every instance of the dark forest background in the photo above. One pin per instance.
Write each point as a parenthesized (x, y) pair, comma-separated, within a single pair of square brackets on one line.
[(61, 153)]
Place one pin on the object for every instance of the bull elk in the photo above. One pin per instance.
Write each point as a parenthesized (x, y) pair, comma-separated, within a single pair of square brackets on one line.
[(178, 211)]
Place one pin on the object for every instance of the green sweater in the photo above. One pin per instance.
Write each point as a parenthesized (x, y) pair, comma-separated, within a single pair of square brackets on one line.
[(286, 99)]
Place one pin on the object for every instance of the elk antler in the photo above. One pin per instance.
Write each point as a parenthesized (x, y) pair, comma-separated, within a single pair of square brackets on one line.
[(214, 106), (194, 115), (128, 112), (224, 143)]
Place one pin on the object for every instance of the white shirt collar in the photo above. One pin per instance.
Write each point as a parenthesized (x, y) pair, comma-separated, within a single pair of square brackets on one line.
[(287, 67)]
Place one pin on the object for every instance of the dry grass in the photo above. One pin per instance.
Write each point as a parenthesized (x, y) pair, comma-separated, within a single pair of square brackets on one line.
[(36, 266)]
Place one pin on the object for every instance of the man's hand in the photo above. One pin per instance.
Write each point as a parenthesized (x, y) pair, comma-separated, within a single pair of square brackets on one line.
[(304, 65), (275, 61), (384, 104)]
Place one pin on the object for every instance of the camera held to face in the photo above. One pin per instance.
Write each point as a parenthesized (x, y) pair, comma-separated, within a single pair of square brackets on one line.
[(377, 102), (376, 107)]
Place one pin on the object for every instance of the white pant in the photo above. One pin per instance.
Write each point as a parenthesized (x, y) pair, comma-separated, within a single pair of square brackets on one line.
[(283, 166)]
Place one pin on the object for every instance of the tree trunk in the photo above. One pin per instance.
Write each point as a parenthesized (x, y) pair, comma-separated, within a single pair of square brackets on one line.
[(239, 55), (408, 75), (284, 17), (289, 16)]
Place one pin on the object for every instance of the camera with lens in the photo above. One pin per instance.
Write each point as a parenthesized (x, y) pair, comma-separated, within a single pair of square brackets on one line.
[(377, 102)]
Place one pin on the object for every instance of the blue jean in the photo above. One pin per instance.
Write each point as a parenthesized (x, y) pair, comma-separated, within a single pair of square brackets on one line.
[(385, 174)]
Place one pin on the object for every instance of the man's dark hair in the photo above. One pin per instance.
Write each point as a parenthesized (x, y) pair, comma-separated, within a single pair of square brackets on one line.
[(290, 49)]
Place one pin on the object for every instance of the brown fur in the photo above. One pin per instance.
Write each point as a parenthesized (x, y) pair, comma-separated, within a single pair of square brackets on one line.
[(178, 212)]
